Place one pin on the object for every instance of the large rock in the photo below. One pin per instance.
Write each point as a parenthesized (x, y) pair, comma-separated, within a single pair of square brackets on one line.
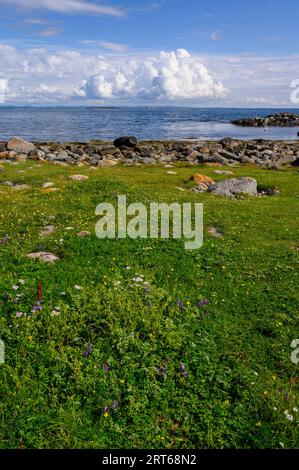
[(126, 141), (234, 186), (19, 145)]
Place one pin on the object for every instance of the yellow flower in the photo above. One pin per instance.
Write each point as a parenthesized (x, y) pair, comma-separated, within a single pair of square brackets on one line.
[(30, 338), (106, 414)]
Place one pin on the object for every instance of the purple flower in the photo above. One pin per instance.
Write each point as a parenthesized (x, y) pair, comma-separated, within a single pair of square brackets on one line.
[(183, 370), (4, 240), (203, 303), (106, 368), (180, 304), (115, 405), (146, 289), (37, 307), (161, 370), (88, 351)]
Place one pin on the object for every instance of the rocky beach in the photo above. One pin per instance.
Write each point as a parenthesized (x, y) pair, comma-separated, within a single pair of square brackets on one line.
[(128, 151)]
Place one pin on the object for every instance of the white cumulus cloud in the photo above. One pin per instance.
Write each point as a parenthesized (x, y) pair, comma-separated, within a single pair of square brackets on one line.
[(170, 76)]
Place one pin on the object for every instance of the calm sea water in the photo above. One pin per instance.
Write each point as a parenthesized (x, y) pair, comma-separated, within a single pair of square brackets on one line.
[(82, 124)]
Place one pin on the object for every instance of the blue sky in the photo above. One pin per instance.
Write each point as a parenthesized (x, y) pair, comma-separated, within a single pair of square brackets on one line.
[(237, 53)]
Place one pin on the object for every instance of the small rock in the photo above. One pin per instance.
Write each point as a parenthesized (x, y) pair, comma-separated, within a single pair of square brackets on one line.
[(48, 230), (201, 179), (21, 187), (48, 185), (43, 256), (78, 177), (172, 173), (223, 172), (83, 234), (107, 163), (215, 232)]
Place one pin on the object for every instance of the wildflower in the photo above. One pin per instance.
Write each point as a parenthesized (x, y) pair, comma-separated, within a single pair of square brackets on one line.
[(183, 370), (288, 416), (4, 240), (137, 279), (15, 287), (21, 281), (295, 410), (180, 304), (106, 368), (115, 405), (62, 293), (162, 370), (55, 312), (188, 303), (203, 303), (106, 411), (19, 314), (88, 351), (78, 287), (37, 307), (30, 338), (274, 408)]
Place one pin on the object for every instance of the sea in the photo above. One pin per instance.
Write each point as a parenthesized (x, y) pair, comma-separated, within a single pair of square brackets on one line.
[(81, 124)]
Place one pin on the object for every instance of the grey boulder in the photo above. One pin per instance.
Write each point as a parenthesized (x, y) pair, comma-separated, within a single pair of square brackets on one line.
[(234, 186)]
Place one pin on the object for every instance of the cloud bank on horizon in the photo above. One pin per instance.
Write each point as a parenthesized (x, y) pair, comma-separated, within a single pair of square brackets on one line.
[(116, 52)]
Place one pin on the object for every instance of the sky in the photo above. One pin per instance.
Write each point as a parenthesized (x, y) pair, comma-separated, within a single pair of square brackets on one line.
[(164, 52)]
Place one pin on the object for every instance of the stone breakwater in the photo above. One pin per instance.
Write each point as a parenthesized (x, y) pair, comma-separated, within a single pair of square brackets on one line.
[(128, 151)]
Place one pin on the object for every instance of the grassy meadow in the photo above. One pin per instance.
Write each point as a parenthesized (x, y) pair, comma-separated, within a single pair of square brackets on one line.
[(140, 343)]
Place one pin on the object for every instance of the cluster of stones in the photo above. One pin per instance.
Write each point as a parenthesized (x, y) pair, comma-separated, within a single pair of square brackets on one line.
[(126, 150), (275, 120)]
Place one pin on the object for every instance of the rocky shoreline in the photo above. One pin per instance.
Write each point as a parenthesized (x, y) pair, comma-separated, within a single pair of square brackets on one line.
[(128, 151), (274, 120)]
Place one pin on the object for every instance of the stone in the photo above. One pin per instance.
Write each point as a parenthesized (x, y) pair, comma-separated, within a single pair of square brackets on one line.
[(19, 145), (48, 185), (21, 187), (48, 230), (44, 256), (215, 232), (126, 141), (223, 172), (7, 183), (58, 163), (198, 178), (84, 234), (230, 188), (171, 172), (78, 177), (201, 188), (212, 164), (107, 163), (21, 158)]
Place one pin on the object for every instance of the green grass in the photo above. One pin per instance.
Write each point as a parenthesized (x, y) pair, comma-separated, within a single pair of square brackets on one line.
[(236, 350)]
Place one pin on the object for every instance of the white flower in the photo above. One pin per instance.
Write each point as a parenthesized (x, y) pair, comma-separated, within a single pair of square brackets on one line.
[(21, 281), (137, 279), (15, 287), (78, 287), (274, 408), (19, 314), (62, 293), (288, 415), (128, 267), (295, 410)]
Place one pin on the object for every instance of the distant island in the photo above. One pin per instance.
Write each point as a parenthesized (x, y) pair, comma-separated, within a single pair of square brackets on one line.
[(275, 120)]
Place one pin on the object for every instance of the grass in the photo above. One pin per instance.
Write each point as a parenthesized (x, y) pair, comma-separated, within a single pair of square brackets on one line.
[(180, 376)]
